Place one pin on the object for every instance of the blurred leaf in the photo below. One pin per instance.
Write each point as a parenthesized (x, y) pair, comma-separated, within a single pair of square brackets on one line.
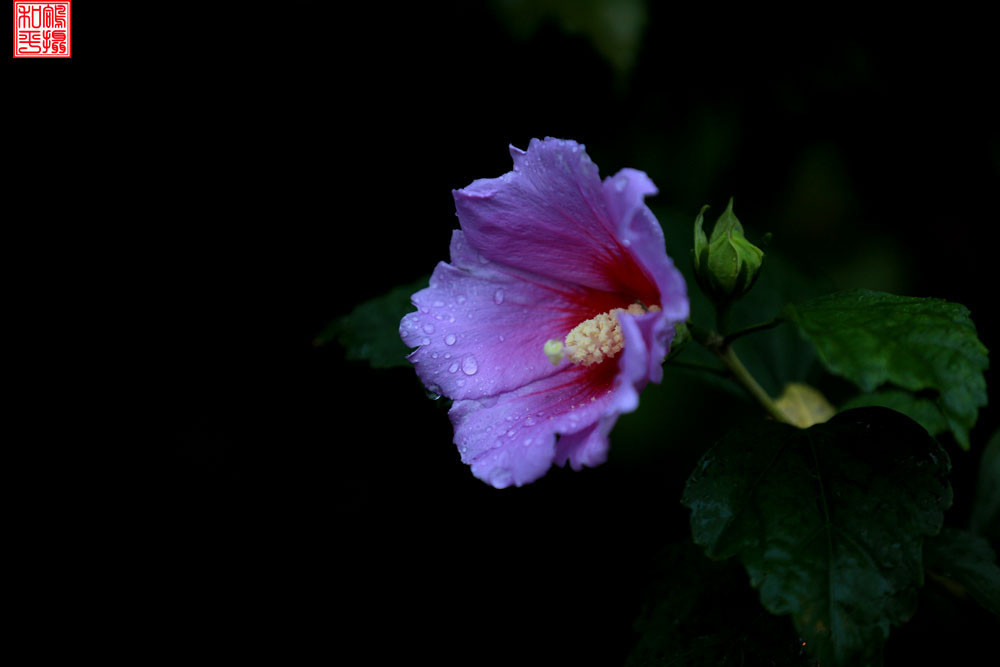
[(804, 406), (828, 521), (701, 612), (614, 27), (370, 332), (871, 338), (924, 411), (986, 508), (969, 560)]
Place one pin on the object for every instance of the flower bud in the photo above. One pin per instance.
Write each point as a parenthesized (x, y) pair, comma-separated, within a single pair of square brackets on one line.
[(725, 265)]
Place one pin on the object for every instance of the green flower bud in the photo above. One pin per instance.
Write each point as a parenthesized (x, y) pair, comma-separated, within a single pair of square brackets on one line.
[(725, 265)]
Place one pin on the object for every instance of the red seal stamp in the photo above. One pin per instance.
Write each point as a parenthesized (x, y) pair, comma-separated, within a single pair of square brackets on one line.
[(41, 29)]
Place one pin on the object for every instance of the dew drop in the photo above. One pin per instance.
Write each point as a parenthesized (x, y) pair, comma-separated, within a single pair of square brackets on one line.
[(461, 299), (434, 356), (453, 367), (501, 338), (426, 341), (621, 183), (482, 260), (510, 433), (438, 304), (501, 477), (447, 355), (429, 328), (449, 339), (470, 366), (460, 383), (627, 243), (498, 297)]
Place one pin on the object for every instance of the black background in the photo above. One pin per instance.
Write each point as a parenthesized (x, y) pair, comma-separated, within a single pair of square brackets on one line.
[(225, 180)]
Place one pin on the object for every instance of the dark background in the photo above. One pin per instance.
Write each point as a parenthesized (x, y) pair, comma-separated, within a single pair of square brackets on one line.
[(232, 197)]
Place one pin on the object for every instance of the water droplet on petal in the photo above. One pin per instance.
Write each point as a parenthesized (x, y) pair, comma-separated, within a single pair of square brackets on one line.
[(438, 304), (426, 341), (627, 243), (470, 366), (429, 328), (453, 367), (434, 356), (501, 477), (449, 339), (621, 183), (461, 299), (501, 338), (498, 297)]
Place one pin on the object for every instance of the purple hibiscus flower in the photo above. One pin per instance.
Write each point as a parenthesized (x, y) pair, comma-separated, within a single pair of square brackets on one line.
[(557, 308)]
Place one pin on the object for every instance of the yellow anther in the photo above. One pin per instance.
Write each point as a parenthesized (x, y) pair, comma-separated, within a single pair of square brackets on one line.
[(554, 351), (594, 340)]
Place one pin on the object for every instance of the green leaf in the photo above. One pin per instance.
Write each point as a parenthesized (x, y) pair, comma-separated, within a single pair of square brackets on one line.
[(968, 560), (370, 332), (872, 338), (828, 521), (985, 518), (924, 411), (683, 623)]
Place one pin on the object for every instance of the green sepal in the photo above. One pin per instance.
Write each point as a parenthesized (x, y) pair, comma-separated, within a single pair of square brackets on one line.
[(726, 264)]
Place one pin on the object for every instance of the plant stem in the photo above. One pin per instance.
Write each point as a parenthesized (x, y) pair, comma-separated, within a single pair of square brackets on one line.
[(718, 346), (747, 381), (753, 329), (722, 317)]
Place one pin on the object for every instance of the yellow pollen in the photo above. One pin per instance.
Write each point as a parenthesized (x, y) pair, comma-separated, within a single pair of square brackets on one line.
[(594, 340)]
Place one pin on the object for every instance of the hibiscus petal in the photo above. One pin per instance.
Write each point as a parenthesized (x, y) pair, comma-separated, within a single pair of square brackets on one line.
[(550, 217), (657, 332), (643, 236), (588, 447), (511, 438), (481, 327)]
